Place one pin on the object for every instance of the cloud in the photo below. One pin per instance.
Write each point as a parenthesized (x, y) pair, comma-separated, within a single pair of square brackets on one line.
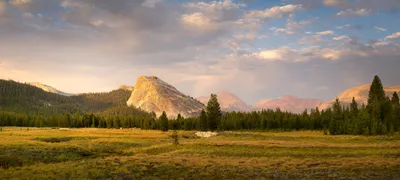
[(20, 2), (352, 49), (150, 3), (197, 46), (2, 7), (292, 55), (349, 26), (379, 28), (388, 6), (335, 3), (246, 37), (219, 11), (283, 53), (354, 12), (274, 12), (296, 26), (394, 36), (308, 4), (216, 5), (199, 20), (339, 38), (326, 33), (282, 31), (313, 39), (363, 7)]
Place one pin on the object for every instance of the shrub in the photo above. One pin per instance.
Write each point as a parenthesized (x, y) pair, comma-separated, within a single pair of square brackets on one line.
[(175, 138), (7, 161)]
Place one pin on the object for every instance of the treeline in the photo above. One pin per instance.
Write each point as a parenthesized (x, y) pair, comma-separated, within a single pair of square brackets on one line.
[(380, 116)]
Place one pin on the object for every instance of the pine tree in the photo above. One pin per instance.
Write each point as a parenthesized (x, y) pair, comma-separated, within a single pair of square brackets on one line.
[(37, 121), (376, 97), (203, 121), (335, 123), (179, 122), (213, 112), (66, 120), (395, 113), (164, 121), (354, 107), (395, 99)]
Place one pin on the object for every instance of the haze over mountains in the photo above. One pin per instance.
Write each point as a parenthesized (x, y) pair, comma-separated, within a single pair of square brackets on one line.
[(288, 103), (152, 94), (360, 94), (228, 101)]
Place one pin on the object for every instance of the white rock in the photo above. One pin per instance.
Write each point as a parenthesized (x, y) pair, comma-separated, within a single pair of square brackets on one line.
[(206, 134)]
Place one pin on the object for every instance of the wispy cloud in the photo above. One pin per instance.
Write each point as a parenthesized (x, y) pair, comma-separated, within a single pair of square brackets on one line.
[(339, 38), (354, 12), (325, 33), (379, 28)]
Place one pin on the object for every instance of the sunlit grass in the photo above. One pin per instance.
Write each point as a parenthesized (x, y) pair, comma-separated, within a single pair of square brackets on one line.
[(139, 154)]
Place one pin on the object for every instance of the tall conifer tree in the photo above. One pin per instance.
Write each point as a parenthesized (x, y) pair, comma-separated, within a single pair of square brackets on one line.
[(213, 112), (164, 121), (203, 121)]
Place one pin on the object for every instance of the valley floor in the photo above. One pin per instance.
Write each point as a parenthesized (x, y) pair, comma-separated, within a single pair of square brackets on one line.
[(45, 153)]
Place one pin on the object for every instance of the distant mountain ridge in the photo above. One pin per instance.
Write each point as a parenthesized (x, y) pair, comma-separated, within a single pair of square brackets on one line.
[(360, 94), (288, 103), (48, 88), (229, 102)]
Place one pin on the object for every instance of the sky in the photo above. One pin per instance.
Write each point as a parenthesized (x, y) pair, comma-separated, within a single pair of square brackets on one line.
[(256, 49)]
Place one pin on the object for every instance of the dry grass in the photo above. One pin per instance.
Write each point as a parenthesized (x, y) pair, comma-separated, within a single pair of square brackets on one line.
[(47, 153)]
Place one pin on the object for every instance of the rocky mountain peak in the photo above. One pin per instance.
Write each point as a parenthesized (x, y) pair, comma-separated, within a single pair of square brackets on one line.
[(154, 95)]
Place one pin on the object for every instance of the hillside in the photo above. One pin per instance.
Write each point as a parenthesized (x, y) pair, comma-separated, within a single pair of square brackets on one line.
[(98, 102), (19, 97), (25, 98)]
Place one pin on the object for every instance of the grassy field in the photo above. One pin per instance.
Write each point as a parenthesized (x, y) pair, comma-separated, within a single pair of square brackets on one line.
[(32, 153)]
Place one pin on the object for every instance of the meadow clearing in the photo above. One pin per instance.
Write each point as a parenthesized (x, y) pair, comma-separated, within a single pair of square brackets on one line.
[(46, 153)]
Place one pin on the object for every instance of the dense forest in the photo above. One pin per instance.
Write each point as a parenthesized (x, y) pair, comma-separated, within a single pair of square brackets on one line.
[(21, 105)]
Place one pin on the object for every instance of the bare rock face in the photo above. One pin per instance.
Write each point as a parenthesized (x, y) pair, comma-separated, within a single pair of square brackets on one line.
[(154, 95), (228, 102), (360, 94), (288, 103), (48, 88)]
